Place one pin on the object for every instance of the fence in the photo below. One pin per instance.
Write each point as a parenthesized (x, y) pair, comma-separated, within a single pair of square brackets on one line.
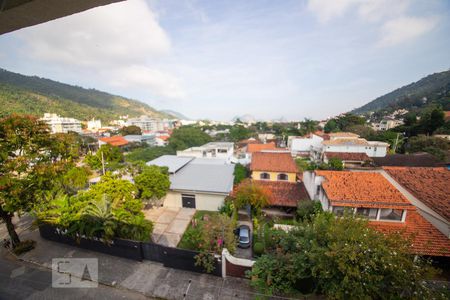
[(169, 257), (233, 266)]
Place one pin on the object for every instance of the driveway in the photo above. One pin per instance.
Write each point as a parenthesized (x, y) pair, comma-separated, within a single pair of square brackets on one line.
[(244, 219), (169, 224)]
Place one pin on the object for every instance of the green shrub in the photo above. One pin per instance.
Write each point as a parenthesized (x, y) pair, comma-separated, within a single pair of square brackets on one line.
[(307, 209), (258, 248)]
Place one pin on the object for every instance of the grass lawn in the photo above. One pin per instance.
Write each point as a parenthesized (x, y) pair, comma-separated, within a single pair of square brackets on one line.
[(191, 236)]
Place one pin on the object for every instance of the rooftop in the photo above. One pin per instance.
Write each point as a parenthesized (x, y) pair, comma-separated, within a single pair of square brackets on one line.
[(346, 142), (273, 162), (284, 193), (197, 177), (362, 189), (426, 239), (115, 140), (173, 162), (409, 160), (348, 156), (251, 148), (343, 135), (429, 185)]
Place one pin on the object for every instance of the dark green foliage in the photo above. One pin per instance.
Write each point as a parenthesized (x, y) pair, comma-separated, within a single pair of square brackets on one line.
[(75, 179), (433, 145), (130, 130), (239, 132), (435, 88), (240, 173), (34, 95), (302, 164), (342, 258), (153, 182), (344, 123), (258, 248), (148, 153), (335, 164), (306, 210), (227, 208), (112, 157), (188, 136), (107, 210)]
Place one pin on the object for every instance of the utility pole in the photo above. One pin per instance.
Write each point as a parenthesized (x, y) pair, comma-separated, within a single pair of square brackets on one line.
[(103, 163)]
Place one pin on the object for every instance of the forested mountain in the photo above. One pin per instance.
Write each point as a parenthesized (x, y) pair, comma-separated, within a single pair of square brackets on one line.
[(434, 88), (35, 95)]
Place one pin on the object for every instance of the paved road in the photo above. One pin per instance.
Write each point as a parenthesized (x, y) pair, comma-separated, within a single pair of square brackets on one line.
[(20, 280)]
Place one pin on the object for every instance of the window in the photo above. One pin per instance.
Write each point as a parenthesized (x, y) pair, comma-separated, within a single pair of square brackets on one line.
[(339, 210), (264, 176), (222, 151), (282, 176), (370, 213), (391, 214)]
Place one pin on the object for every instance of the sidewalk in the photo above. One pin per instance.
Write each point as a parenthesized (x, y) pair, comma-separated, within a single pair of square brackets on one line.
[(148, 278)]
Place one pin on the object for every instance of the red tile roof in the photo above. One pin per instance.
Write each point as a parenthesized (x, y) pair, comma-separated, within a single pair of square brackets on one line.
[(361, 189), (273, 162), (348, 156), (115, 140), (426, 239), (286, 194), (251, 148), (429, 185)]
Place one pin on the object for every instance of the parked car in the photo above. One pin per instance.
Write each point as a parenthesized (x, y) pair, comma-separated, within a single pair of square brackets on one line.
[(244, 236)]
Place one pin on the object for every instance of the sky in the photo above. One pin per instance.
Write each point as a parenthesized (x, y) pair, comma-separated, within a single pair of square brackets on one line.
[(220, 59)]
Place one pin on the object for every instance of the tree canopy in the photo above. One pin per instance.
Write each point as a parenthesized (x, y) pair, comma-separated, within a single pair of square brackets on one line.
[(130, 130), (152, 183), (188, 136)]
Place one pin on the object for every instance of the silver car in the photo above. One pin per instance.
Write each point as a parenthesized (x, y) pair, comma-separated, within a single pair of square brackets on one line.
[(244, 236)]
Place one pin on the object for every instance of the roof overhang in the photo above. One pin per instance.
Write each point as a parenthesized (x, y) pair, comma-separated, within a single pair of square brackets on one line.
[(17, 14)]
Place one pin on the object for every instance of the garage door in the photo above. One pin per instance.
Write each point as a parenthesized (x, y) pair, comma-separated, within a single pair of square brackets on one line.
[(188, 200)]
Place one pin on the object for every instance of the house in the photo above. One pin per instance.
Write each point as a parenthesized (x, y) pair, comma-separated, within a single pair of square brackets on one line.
[(277, 173), (386, 124), (94, 125), (350, 143), (301, 146), (253, 147), (426, 188), (213, 150), (59, 124), (118, 141), (372, 196), (196, 182), (149, 124), (136, 138), (348, 159)]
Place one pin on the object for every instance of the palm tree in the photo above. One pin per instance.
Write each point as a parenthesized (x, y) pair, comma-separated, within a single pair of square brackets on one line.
[(98, 215)]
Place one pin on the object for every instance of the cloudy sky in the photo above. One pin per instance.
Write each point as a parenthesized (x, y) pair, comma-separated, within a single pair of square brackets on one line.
[(218, 59)]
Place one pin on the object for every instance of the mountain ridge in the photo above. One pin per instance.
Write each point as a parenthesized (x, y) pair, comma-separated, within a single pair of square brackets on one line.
[(434, 87), (35, 95)]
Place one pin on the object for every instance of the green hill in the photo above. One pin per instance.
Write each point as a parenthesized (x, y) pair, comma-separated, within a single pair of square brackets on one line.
[(35, 95), (434, 88)]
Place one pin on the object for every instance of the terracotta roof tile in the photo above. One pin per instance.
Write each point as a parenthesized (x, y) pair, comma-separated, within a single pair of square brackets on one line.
[(286, 194), (273, 162), (346, 141), (429, 185), (409, 160), (361, 189), (347, 156), (251, 148), (426, 239), (115, 140), (343, 134)]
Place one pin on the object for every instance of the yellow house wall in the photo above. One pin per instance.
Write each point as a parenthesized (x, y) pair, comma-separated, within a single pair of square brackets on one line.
[(273, 176)]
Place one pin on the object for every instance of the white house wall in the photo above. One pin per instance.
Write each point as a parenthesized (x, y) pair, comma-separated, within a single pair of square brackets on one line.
[(305, 144), (372, 152), (203, 201)]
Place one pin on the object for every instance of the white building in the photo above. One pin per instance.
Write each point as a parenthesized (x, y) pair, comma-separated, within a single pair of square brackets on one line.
[(59, 124), (149, 124), (303, 145), (196, 183), (387, 124), (213, 150), (94, 124)]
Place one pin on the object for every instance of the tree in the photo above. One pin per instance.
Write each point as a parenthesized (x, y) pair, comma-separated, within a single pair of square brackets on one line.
[(335, 164), (148, 153), (152, 183), (309, 125), (330, 126), (75, 179), (431, 120), (187, 136), (342, 258), (250, 192), (26, 167), (112, 157), (240, 173), (433, 145), (239, 132), (130, 130)]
